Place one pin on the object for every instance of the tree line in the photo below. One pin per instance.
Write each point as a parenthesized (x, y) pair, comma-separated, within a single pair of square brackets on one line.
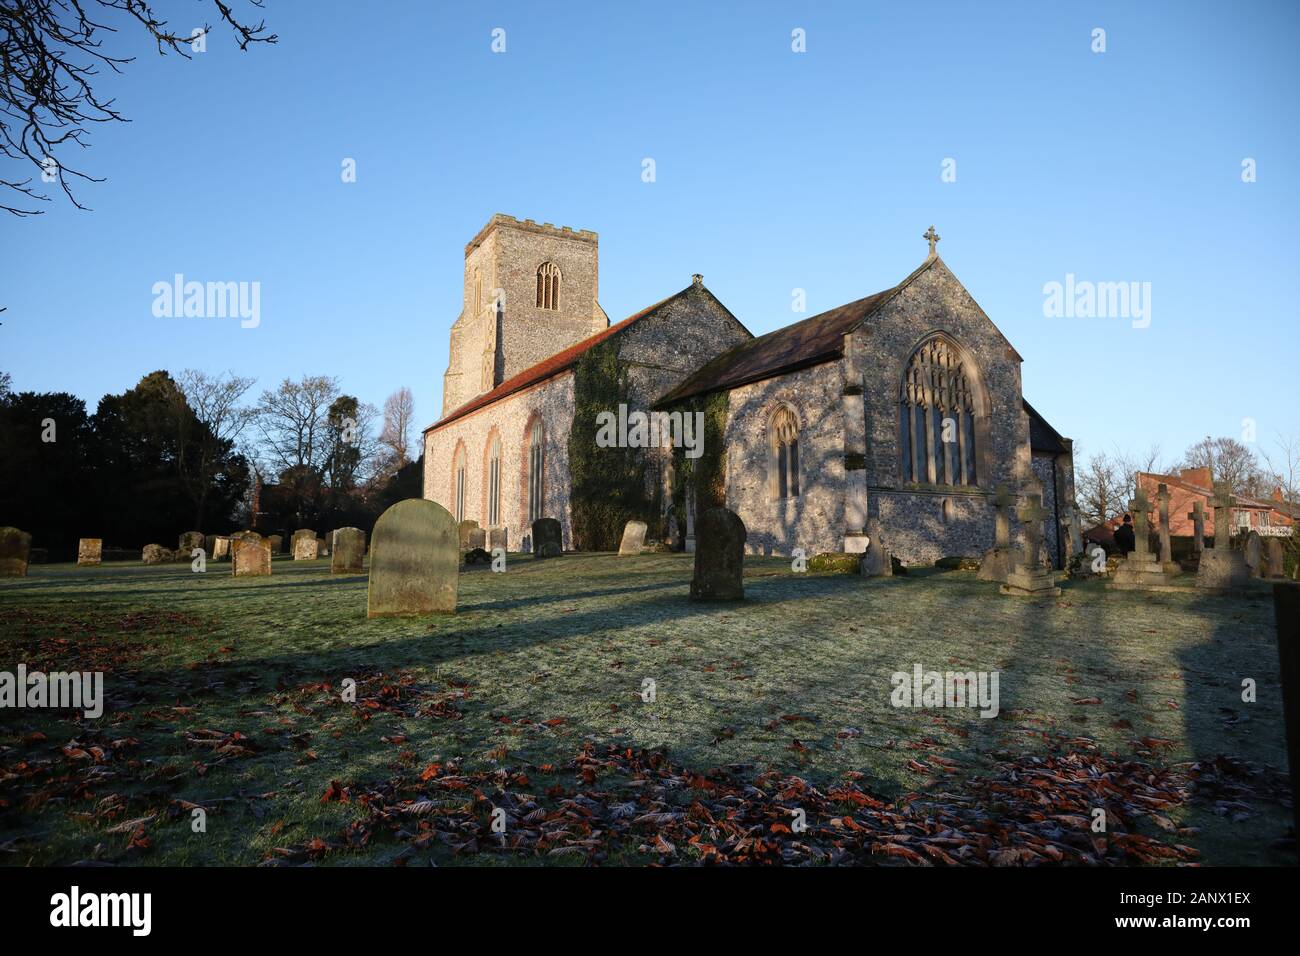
[(195, 452)]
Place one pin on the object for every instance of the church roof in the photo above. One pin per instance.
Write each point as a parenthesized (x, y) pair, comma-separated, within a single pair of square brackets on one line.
[(552, 366), (810, 342), (1042, 436)]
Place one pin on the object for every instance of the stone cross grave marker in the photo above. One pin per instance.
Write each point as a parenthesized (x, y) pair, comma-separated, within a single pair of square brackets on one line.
[(1222, 502), (1003, 501), (1140, 508), (1197, 514), (1033, 514), (1166, 548)]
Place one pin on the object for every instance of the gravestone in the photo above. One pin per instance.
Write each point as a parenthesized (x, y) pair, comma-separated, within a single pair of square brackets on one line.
[(277, 542), (719, 557), (250, 555), (90, 551), (349, 548), (322, 548), (997, 561), (1141, 570), (220, 548), (414, 560), (1198, 527), (1274, 559), (477, 538), (15, 552), (689, 543), (1254, 554), (1222, 568), (188, 542), (156, 554), (306, 546), (1027, 577), (876, 561), (498, 538), (1167, 562), (547, 538), (633, 538), (209, 544), (463, 530), (1076, 531)]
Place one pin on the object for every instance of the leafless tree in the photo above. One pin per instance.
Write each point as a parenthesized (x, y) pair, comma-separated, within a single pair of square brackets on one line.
[(1228, 460), (1130, 463), (51, 52), (1283, 466), (215, 401), (395, 438), (1099, 486)]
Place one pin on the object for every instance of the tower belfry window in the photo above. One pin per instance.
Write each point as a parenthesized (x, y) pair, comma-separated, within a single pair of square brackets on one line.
[(548, 286)]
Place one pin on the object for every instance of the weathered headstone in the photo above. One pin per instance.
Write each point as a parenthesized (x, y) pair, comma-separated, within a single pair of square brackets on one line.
[(1198, 526), (876, 561), (498, 538), (1027, 577), (15, 552), (90, 551), (477, 538), (348, 551), (322, 548), (220, 547), (719, 557), (156, 554), (1222, 568), (277, 543), (250, 555), (463, 530), (633, 538), (997, 561), (547, 538), (188, 542), (1254, 554), (306, 546), (1273, 558), (1167, 562), (414, 560)]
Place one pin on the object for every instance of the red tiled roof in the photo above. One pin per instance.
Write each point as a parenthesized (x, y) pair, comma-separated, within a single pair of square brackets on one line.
[(547, 368), (1174, 481)]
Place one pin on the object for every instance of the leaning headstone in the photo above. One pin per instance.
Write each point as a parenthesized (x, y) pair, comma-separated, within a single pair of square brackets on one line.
[(1221, 567), (463, 532), (155, 554), (1254, 553), (547, 538), (633, 538), (414, 560), (209, 544), (1028, 577), (15, 552), (306, 547), (1273, 558), (90, 551), (250, 555), (997, 561), (188, 542), (719, 557), (349, 548), (220, 548)]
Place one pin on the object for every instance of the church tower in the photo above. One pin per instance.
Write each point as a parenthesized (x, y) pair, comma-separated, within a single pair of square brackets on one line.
[(530, 292)]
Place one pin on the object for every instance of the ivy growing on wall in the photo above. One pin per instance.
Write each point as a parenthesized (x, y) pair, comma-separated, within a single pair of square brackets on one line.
[(708, 473), (609, 484)]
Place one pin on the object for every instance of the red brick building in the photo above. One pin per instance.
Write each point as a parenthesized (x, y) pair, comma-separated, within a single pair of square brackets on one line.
[(1268, 517)]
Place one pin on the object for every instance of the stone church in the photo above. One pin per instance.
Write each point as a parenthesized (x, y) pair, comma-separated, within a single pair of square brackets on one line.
[(895, 416)]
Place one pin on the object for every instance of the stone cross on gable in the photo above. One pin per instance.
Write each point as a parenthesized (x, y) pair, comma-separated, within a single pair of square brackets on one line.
[(1140, 507), (1222, 502), (1033, 514), (1166, 547), (932, 237), (1004, 499), (1197, 514)]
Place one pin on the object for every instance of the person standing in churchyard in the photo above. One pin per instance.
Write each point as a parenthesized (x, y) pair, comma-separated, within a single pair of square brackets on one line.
[(1124, 537)]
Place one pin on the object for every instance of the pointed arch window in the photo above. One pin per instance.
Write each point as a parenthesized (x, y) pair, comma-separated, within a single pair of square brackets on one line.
[(536, 462), (548, 286), (494, 483), (783, 452), (458, 468), (937, 417)]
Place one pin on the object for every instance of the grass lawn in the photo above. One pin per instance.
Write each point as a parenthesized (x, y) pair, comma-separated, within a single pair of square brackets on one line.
[(227, 694)]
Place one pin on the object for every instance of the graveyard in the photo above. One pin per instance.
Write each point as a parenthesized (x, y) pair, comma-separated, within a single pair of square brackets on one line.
[(615, 720)]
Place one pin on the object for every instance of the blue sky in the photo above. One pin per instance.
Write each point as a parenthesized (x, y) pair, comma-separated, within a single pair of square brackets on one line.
[(775, 171)]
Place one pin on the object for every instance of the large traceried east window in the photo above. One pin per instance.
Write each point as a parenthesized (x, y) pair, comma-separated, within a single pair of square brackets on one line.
[(937, 424), (783, 452), (536, 461), (494, 484), (458, 467), (548, 286)]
